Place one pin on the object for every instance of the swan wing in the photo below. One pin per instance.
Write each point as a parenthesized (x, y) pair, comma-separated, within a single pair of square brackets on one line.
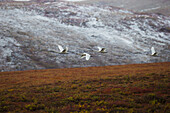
[(83, 55), (87, 56), (153, 51), (99, 48), (66, 49), (60, 48)]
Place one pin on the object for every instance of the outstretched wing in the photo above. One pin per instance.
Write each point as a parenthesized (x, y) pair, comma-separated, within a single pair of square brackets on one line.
[(87, 56), (60, 48), (83, 55), (153, 51), (99, 48), (66, 49)]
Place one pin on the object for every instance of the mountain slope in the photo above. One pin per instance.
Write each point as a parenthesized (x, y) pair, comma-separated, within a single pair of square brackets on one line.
[(30, 33)]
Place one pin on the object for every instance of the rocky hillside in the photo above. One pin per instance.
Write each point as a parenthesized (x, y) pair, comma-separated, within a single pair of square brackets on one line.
[(31, 31)]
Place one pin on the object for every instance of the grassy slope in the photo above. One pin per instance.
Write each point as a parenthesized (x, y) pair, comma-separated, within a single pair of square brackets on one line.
[(126, 88)]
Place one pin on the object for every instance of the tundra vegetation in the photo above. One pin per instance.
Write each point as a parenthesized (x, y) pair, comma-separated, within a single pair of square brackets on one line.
[(138, 88)]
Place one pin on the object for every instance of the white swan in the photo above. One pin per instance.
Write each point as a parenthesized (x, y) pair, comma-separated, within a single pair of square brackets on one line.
[(102, 50), (153, 52), (62, 50), (85, 55)]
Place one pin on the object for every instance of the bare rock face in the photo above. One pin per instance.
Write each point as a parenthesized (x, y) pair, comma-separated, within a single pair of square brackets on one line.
[(30, 33)]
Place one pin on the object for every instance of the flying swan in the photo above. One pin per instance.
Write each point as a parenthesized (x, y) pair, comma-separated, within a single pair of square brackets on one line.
[(85, 55), (62, 50), (102, 50)]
